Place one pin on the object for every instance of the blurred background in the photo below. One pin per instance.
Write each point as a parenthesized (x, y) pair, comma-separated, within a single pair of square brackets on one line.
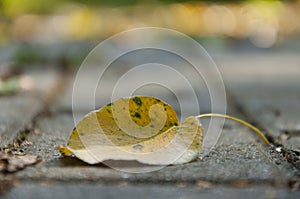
[(261, 24), (243, 37)]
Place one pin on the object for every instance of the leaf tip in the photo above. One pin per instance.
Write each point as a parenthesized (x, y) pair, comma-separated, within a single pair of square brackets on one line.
[(65, 151)]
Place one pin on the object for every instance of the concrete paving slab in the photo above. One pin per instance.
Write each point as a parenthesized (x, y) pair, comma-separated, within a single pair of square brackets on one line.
[(238, 155), (124, 191), (16, 114), (50, 132)]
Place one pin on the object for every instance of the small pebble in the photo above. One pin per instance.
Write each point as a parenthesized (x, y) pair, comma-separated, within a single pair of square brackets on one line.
[(279, 149)]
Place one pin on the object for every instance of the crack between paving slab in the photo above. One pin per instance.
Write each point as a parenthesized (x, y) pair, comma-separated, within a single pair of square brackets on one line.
[(271, 138), (200, 183), (61, 84), (240, 109), (6, 185), (288, 154)]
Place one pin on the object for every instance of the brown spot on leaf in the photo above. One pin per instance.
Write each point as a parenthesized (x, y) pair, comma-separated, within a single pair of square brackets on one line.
[(138, 115), (138, 101)]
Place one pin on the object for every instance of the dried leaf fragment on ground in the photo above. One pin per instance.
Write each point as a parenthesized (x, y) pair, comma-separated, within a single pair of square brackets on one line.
[(10, 162)]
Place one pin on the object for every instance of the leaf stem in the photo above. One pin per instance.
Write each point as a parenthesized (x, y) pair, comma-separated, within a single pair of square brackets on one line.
[(256, 130)]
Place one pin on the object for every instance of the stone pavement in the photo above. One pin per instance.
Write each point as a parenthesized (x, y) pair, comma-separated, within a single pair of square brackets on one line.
[(261, 88)]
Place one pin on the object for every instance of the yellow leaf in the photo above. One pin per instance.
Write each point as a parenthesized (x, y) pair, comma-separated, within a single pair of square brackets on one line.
[(141, 128)]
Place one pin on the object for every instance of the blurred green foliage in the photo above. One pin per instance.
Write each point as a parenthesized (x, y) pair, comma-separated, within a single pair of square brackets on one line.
[(132, 2), (41, 6), (9, 86), (13, 7), (17, 7)]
